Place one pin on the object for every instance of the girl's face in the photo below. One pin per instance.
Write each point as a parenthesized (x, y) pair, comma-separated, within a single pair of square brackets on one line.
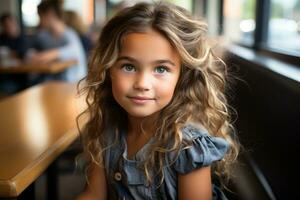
[(145, 74)]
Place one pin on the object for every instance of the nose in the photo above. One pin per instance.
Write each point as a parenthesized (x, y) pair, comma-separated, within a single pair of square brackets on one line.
[(142, 82)]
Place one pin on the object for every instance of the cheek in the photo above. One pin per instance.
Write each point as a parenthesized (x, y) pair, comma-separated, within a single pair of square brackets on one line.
[(166, 90), (119, 84), (116, 89)]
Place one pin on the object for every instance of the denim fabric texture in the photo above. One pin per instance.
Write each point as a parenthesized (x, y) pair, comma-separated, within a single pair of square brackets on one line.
[(126, 179)]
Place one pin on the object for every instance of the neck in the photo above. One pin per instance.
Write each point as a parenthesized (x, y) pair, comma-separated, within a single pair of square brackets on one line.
[(12, 34), (58, 28), (142, 125)]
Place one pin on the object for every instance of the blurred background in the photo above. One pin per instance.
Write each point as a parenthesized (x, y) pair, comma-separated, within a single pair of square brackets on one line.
[(260, 42)]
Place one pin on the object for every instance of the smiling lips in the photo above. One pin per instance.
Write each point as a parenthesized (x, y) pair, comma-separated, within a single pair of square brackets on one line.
[(140, 99)]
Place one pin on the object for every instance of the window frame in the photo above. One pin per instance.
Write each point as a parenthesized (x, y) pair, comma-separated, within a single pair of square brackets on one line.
[(260, 40)]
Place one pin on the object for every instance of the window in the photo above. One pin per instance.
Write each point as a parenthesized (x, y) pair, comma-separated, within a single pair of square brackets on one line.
[(212, 13), (115, 5), (284, 25), (83, 7), (239, 20), (29, 12), (187, 4)]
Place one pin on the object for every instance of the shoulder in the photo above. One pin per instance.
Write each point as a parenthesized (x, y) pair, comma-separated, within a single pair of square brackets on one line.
[(196, 133), (192, 131), (2, 36), (42, 33), (69, 32), (198, 149)]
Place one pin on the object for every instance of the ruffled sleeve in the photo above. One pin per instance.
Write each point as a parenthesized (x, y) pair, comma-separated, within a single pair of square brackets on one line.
[(204, 149)]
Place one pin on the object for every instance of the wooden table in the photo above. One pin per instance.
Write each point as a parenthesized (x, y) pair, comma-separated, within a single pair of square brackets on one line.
[(37, 125), (49, 68)]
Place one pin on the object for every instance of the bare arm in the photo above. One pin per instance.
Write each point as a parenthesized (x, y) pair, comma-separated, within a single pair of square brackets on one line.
[(96, 189), (45, 56), (195, 185)]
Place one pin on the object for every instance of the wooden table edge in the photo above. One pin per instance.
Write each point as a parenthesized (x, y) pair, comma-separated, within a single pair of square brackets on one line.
[(47, 68), (17, 185)]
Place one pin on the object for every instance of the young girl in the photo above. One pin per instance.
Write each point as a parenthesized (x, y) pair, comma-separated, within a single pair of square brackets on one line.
[(159, 124)]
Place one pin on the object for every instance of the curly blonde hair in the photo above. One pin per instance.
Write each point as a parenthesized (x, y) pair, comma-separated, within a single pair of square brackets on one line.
[(199, 94)]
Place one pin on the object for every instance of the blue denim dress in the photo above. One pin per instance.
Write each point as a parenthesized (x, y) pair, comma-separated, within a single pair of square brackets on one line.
[(126, 180)]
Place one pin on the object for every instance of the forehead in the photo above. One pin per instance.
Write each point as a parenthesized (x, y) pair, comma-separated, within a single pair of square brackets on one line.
[(147, 45)]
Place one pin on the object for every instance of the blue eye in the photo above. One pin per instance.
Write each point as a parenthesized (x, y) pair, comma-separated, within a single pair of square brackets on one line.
[(128, 68), (161, 70)]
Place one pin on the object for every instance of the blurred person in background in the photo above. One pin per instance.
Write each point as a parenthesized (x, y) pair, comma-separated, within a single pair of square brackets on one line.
[(11, 36), (73, 20), (56, 41), (13, 45)]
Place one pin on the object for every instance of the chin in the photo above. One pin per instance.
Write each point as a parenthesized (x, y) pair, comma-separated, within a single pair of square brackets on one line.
[(140, 113)]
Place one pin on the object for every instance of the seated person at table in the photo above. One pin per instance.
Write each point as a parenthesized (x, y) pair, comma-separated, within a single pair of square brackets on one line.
[(15, 44), (11, 36), (56, 41)]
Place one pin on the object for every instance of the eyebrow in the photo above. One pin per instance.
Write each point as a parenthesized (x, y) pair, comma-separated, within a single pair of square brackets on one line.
[(161, 61)]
